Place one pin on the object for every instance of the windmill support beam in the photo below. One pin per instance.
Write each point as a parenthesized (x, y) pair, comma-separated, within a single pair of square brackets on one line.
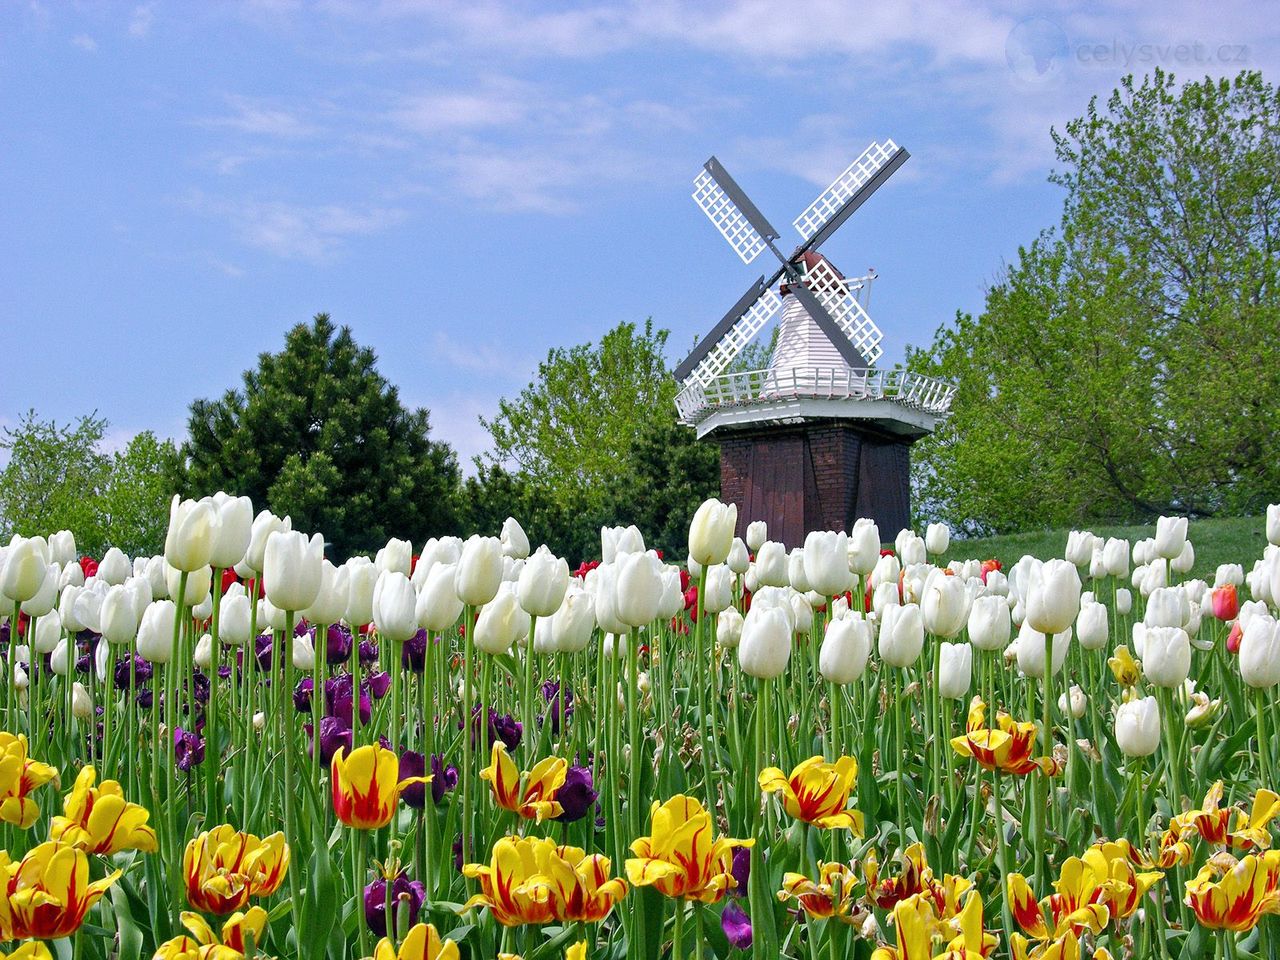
[(816, 475)]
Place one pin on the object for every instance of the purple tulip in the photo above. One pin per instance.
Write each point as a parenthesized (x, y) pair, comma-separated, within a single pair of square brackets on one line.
[(339, 643), (334, 734), (339, 701), (413, 764), (379, 684), (262, 651), (500, 727), (413, 654), (457, 853), (302, 695), (406, 895), (736, 926), (301, 628), (741, 870), (368, 653), (551, 692), (577, 796), (142, 670), (443, 779), (188, 749)]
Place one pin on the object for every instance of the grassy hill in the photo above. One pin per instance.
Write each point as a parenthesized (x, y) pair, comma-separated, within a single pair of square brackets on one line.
[(1231, 540)]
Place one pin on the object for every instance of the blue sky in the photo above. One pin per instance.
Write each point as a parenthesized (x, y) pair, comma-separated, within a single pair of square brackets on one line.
[(468, 184)]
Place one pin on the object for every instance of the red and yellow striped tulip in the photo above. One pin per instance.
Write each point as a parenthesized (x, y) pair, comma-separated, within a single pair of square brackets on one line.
[(817, 792), (833, 894), (681, 857), (366, 784), (1214, 822), (971, 941), (536, 800), (19, 776), (31, 950), (422, 942), (531, 878), (577, 951), (914, 878), (1126, 887), (1007, 747), (225, 867), (100, 820), (1233, 895), (910, 927), (47, 894), (203, 944)]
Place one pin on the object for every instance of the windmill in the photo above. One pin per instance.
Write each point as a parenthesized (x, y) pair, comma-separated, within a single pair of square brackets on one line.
[(821, 436)]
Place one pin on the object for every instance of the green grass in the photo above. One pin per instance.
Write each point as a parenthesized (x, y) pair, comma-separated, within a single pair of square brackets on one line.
[(1230, 540)]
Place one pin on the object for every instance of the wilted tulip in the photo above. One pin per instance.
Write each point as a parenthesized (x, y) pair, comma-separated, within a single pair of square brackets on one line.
[(543, 583), (711, 531), (955, 670), (766, 643), (479, 570), (901, 635), (514, 542), (292, 569), (395, 606), (989, 624), (845, 648), (1138, 727)]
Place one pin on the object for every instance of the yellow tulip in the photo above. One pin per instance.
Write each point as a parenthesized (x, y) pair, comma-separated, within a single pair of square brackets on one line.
[(1214, 822), (971, 941), (577, 951), (1127, 887), (915, 878), (910, 919), (366, 785), (1124, 668), (1083, 889), (224, 868), (532, 880), (422, 942), (833, 894), (47, 894), (19, 776), (100, 820), (203, 944), (536, 801), (817, 792), (1007, 747), (1233, 895), (680, 858), (31, 950)]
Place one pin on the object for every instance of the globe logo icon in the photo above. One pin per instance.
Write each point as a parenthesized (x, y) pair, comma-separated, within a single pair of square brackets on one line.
[(1036, 50)]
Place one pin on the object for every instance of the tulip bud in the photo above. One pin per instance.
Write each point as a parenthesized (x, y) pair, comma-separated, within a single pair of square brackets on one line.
[(1091, 626), (479, 570), (304, 653), (1073, 701), (1138, 727), (937, 538), (771, 564), (515, 543), (845, 648), (204, 609), (501, 622), (766, 643), (955, 670), (67, 608), (543, 583), (711, 532), (20, 679), (944, 605), (202, 656), (601, 584), (729, 628), (395, 606), (863, 546), (155, 633), (719, 592), (739, 559), (1273, 524), (1171, 537), (901, 635), (572, 624), (989, 623), (81, 702), (292, 569), (757, 534), (1124, 602), (1260, 652)]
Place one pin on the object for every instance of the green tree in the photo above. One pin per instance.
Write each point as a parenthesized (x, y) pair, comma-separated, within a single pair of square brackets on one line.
[(316, 432), (1126, 363), (59, 478)]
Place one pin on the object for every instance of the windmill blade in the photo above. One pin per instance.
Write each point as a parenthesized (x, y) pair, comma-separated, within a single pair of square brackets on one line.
[(735, 330), (848, 192), (731, 211), (840, 299), (827, 324)]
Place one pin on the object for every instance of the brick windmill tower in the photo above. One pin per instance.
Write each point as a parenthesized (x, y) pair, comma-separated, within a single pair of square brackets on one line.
[(821, 436)]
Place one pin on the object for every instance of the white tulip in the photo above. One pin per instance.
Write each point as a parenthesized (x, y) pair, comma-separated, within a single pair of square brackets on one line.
[(264, 524), (26, 564), (515, 543), (901, 635), (233, 618), (81, 702), (1138, 727), (1228, 573), (1184, 561), (46, 598), (1031, 644), (771, 564), (955, 673), (757, 534), (944, 605), (638, 588), (115, 567), (1073, 701), (62, 548), (235, 529), (202, 656), (304, 653), (719, 594), (543, 582), (801, 614), (1124, 602), (1079, 547), (395, 606), (1171, 536), (479, 570), (572, 624), (615, 541), (729, 628), (72, 575), (1273, 524), (1091, 626), (193, 530), (155, 633), (396, 556), (47, 633), (937, 538), (601, 584), (501, 622), (1167, 607), (886, 570), (672, 601), (796, 574), (292, 569), (739, 558), (711, 531), (199, 582), (1053, 597), (330, 604), (884, 596), (118, 617), (989, 624), (863, 546), (1115, 557), (1166, 656), (438, 604), (845, 648), (1260, 652), (765, 647)]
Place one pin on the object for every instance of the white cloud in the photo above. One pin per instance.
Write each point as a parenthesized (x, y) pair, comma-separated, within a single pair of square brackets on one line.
[(141, 19), (259, 118), (84, 42)]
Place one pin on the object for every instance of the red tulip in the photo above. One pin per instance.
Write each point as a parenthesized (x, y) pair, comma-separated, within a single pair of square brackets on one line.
[(1225, 601)]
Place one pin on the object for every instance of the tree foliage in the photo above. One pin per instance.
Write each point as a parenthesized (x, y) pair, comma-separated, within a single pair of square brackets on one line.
[(1126, 363), (59, 477), (317, 433)]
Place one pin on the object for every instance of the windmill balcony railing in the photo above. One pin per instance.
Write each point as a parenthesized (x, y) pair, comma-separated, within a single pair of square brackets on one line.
[(916, 391)]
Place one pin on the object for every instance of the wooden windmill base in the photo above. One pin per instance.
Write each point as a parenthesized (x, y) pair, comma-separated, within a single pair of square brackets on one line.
[(816, 475)]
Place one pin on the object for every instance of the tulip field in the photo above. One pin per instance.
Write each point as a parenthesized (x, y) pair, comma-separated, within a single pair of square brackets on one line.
[(470, 749)]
